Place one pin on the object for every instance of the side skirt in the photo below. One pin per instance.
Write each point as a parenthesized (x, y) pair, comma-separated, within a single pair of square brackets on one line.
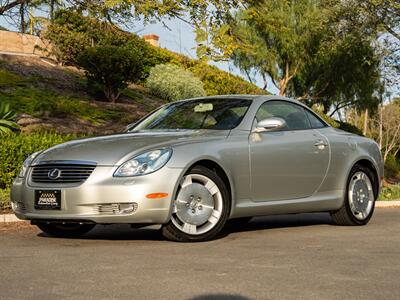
[(325, 201)]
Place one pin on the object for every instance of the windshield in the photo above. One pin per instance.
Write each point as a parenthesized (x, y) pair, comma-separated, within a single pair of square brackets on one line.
[(219, 114)]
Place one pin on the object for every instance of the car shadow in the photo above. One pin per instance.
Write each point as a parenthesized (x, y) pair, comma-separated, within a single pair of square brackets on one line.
[(279, 221), (153, 233)]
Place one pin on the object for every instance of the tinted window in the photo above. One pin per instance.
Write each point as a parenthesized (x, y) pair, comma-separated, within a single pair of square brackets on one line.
[(293, 114), (221, 114), (314, 120)]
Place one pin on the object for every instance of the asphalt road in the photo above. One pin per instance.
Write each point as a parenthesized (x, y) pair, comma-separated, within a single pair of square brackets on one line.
[(281, 257)]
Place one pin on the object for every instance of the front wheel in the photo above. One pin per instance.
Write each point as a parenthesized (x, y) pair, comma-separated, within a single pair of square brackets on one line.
[(200, 209), (359, 202), (65, 230)]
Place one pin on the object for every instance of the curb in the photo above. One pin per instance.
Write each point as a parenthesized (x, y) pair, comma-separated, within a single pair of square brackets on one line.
[(394, 203), (9, 218)]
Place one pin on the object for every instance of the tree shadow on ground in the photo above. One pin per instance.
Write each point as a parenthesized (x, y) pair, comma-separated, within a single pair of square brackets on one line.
[(219, 297)]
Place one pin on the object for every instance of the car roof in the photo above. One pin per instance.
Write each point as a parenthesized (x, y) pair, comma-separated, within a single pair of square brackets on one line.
[(261, 98)]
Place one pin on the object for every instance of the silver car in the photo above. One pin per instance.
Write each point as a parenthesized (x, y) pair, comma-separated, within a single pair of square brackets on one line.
[(194, 165)]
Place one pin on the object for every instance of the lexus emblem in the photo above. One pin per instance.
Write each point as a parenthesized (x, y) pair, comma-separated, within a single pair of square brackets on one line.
[(54, 174)]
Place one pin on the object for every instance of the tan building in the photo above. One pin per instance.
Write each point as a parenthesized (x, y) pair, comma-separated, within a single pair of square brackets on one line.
[(15, 42)]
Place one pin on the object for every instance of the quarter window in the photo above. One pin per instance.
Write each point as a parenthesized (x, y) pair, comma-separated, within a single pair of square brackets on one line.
[(294, 115), (314, 121)]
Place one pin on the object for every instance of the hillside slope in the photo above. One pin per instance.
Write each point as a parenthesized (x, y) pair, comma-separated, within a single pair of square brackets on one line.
[(54, 98)]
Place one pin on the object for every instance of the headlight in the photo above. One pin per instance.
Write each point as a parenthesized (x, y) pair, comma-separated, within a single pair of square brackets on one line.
[(145, 163), (27, 163)]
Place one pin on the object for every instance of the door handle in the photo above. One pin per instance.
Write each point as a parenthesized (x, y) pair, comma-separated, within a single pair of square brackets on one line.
[(320, 144)]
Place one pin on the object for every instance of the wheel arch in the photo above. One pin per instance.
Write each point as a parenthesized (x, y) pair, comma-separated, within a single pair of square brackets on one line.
[(369, 165)]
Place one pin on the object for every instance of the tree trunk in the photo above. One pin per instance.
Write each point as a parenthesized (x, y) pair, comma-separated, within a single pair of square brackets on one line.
[(22, 17), (283, 83), (380, 126), (52, 5), (385, 155), (282, 87), (365, 130), (111, 94)]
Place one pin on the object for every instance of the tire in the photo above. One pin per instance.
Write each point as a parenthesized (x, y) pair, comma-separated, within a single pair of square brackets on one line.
[(65, 230), (200, 209), (356, 210)]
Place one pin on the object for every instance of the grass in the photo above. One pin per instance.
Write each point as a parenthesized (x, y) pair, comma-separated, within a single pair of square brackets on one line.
[(10, 79), (390, 193), (25, 97)]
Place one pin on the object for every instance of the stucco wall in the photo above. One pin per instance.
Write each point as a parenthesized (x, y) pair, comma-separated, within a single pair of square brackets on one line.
[(15, 42)]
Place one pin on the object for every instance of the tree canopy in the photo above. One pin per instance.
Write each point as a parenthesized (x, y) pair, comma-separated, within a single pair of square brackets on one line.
[(307, 52)]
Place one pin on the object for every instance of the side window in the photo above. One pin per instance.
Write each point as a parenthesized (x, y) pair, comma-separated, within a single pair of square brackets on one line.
[(293, 114), (314, 120)]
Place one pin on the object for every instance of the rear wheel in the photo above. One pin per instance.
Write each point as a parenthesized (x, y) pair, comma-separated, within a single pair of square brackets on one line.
[(200, 209), (359, 203), (65, 230)]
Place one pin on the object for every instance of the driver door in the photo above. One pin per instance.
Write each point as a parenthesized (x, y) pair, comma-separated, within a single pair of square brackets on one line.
[(289, 163)]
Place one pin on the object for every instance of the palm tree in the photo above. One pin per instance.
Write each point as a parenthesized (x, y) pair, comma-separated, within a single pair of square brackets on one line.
[(7, 119)]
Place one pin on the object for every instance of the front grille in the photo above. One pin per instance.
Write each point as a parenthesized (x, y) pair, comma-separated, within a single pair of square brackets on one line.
[(61, 173)]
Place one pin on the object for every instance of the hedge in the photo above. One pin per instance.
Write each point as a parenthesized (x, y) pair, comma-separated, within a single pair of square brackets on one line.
[(15, 148)]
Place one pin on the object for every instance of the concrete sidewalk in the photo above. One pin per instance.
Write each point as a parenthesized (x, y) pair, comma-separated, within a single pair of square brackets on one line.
[(7, 218)]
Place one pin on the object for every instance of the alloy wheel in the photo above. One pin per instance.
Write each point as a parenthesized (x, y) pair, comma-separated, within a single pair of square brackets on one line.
[(198, 205)]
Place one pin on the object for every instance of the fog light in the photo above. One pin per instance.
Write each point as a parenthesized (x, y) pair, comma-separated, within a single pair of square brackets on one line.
[(127, 208), (17, 206), (115, 208)]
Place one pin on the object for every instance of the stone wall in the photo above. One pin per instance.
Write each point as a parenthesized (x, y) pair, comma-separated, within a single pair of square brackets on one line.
[(15, 42)]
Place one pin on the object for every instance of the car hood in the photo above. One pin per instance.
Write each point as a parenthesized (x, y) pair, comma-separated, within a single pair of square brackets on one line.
[(112, 150)]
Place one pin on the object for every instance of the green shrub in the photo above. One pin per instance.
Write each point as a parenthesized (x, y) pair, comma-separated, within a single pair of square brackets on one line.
[(218, 82), (391, 192), (112, 67), (349, 128), (171, 82), (4, 200), (392, 168), (15, 148)]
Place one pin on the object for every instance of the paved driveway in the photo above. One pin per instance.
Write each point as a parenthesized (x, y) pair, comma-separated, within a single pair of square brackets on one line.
[(280, 257)]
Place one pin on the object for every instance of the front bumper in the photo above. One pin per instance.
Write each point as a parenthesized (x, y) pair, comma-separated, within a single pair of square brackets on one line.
[(99, 197)]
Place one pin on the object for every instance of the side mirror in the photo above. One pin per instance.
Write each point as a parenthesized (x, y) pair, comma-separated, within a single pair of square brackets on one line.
[(270, 124)]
